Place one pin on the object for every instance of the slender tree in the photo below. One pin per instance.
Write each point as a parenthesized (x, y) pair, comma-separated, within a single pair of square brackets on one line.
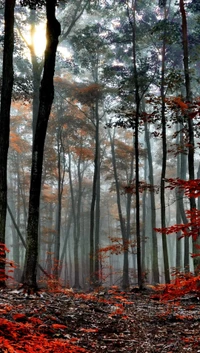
[(46, 100), (6, 95), (191, 143), (137, 115), (164, 157)]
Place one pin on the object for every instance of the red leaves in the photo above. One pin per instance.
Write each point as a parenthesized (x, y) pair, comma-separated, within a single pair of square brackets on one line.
[(190, 229), (18, 338), (19, 317), (35, 321), (89, 330), (181, 104), (191, 188), (184, 283), (58, 326)]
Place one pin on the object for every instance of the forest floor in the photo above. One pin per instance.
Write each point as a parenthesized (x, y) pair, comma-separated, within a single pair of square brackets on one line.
[(104, 322)]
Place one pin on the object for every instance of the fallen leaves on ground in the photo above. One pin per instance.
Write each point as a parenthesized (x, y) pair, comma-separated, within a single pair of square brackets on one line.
[(97, 322)]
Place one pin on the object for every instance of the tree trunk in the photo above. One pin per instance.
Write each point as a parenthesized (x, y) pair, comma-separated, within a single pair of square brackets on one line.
[(37, 66), (61, 174), (178, 215), (6, 95), (97, 210), (164, 159), (125, 278), (191, 144), (155, 269), (95, 203), (46, 100), (137, 181)]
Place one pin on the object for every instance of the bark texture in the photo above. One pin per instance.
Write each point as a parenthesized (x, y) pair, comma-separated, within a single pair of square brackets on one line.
[(46, 100)]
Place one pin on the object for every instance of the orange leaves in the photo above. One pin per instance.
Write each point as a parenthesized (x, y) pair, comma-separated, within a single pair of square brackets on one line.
[(84, 153), (89, 330), (58, 327), (113, 249), (118, 246), (181, 104), (88, 94), (143, 186), (35, 321)]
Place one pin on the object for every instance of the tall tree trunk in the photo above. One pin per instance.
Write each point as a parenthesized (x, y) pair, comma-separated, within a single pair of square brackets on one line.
[(74, 214), (78, 230), (37, 65), (178, 215), (155, 269), (6, 94), (66, 237), (61, 175), (97, 210), (125, 278), (46, 100), (191, 143), (164, 158), (95, 203), (144, 219), (137, 114)]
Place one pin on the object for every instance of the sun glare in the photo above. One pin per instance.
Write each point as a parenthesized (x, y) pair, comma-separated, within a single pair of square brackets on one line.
[(39, 39)]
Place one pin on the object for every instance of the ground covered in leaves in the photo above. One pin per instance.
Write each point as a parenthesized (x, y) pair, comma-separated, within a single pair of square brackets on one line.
[(107, 321)]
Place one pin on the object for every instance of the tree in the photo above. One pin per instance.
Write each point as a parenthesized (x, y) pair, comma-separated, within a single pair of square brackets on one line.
[(191, 144), (164, 157), (46, 100), (6, 94)]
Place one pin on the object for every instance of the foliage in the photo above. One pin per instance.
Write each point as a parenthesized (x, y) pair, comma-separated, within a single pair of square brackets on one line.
[(9, 265), (183, 284), (33, 4), (118, 246)]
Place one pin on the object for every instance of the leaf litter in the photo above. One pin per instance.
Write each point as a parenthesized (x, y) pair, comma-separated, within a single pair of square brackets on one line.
[(107, 321)]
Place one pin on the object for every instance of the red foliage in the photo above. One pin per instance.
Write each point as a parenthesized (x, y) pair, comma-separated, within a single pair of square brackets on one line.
[(189, 229), (184, 283), (191, 188), (21, 338)]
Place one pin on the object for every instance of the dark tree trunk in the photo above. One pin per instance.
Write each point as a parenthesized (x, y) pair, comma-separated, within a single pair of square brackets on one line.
[(125, 278), (155, 269), (191, 143), (37, 66), (6, 94), (95, 203), (46, 100), (97, 210), (164, 159), (137, 177), (61, 175)]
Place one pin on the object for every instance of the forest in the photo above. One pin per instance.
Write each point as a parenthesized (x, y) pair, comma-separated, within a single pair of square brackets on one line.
[(99, 176), (99, 141)]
